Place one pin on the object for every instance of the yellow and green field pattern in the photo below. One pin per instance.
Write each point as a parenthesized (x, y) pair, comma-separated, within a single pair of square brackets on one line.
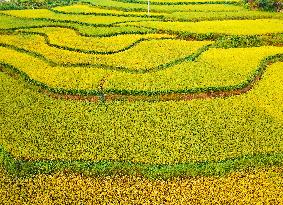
[(193, 90)]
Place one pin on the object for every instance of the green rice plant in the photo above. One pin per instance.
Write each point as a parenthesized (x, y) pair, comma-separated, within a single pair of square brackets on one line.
[(249, 41), (10, 23)]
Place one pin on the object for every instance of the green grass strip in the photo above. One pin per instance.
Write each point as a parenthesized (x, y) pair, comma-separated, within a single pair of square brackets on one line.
[(24, 168)]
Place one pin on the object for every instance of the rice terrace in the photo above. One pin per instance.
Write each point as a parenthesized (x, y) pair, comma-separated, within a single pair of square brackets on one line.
[(141, 102)]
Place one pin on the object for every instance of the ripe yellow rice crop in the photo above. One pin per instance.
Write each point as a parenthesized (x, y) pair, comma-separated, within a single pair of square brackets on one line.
[(178, 15), (70, 38), (82, 8), (216, 67), (202, 16), (47, 14), (232, 27), (164, 8), (263, 186), (269, 96), (190, 138), (136, 58), (110, 50)]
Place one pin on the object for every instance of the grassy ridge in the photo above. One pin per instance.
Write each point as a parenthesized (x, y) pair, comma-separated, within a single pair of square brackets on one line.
[(23, 168)]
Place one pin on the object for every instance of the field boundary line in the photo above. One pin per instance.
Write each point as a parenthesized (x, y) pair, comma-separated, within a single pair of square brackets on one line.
[(21, 168)]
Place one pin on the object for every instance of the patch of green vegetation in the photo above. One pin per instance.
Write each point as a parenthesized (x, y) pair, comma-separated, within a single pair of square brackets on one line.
[(266, 5), (25, 169), (10, 23), (34, 4)]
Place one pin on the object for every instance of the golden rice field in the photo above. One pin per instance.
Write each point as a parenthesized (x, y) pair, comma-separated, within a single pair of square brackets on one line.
[(101, 103)]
